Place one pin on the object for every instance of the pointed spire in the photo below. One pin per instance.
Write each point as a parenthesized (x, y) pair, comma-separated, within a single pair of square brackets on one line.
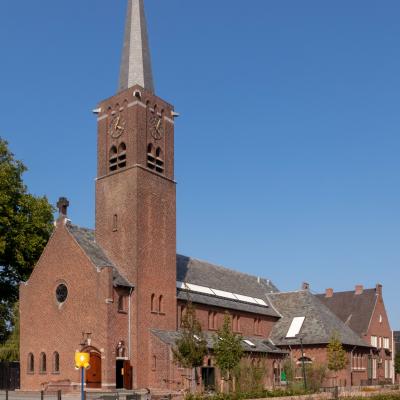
[(136, 60)]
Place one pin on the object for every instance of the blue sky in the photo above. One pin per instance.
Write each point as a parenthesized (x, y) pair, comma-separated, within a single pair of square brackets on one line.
[(287, 148)]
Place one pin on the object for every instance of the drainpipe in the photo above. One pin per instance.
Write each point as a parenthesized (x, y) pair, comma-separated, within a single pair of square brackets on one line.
[(129, 324), (351, 365), (393, 357)]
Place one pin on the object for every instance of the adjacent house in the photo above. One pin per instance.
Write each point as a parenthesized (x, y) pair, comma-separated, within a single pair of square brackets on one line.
[(363, 310)]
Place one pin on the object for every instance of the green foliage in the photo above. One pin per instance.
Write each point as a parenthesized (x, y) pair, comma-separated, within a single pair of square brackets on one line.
[(9, 351), (228, 349), (25, 227), (397, 363), (315, 375), (250, 378), (191, 347), (337, 358)]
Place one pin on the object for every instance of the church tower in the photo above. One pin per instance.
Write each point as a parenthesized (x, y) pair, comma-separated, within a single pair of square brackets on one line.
[(135, 191)]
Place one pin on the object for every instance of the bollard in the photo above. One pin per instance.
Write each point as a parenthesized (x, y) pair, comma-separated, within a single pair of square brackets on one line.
[(42, 395), (58, 394), (6, 393), (336, 393)]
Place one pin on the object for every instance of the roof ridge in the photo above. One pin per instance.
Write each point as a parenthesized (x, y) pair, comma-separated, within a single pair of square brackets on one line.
[(219, 266)]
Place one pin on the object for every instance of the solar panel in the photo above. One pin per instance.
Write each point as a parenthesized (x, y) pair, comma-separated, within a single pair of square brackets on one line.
[(247, 299), (199, 289), (249, 342), (295, 327), (180, 285), (222, 293), (261, 302)]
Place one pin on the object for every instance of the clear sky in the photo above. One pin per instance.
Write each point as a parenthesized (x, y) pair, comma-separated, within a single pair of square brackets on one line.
[(287, 148)]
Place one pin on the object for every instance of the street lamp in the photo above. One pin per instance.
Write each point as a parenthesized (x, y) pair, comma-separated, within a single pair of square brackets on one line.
[(303, 363), (82, 362)]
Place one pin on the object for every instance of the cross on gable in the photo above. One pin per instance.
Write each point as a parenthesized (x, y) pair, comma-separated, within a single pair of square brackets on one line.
[(62, 205)]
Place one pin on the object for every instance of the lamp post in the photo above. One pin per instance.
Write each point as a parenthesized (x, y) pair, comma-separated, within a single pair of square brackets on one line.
[(82, 362), (303, 364)]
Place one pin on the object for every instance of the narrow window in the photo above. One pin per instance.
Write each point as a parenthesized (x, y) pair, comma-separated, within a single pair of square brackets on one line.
[(113, 159), (31, 363), (43, 366), (215, 320), (153, 300), (182, 316), (56, 362), (161, 305), (122, 155), (121, 303), (151, 159), (154, 366), (159, 160), (115, 223), (210, 320)]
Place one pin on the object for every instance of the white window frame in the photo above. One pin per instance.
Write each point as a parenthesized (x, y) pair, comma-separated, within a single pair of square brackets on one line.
[(374, 341)]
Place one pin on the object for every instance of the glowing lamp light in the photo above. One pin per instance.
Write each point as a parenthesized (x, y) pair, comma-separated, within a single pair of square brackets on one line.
[(82, 360)]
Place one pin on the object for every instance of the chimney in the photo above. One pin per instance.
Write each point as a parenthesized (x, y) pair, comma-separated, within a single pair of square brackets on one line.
[(305, 286), (329, 293), (379, 289), (62, 206), (359, 290)]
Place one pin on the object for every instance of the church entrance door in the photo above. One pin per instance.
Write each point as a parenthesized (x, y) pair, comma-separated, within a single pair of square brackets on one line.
[(123, 377), (93, 374)]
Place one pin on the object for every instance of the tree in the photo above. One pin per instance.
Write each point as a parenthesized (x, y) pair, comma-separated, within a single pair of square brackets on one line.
[(10, 350), (397, 363), (228, 349), (337, 358), (191, 347), (25, 227)]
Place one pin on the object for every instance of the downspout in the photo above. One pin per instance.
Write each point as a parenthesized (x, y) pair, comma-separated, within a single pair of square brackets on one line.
[(129, 323), (393, 358), (351, 365)]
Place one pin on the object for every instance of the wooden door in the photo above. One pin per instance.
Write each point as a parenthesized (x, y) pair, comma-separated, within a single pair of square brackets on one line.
[(127, 375), (93, 374)]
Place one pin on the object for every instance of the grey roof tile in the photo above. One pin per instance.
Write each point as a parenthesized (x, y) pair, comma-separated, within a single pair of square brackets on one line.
[(262, 345), (86, 240), (226, 303), (354, 309), (319, 325)]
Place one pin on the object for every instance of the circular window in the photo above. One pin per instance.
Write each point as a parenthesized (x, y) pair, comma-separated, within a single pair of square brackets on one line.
[(61, 293)]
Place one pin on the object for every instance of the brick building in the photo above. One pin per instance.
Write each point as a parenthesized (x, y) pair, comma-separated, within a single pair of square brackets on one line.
[(119, 291), (363, 310)]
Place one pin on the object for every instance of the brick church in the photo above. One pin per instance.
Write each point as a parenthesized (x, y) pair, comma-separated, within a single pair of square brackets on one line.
[(119, 291)]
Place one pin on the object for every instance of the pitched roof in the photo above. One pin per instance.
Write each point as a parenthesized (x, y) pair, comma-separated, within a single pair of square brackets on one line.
[(319, 324), (353, 309), (87, 242), (261, 345), (203, 273)]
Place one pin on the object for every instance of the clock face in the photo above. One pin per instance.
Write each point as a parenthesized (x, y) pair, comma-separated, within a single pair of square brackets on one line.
[(117, 126), (156, 127)]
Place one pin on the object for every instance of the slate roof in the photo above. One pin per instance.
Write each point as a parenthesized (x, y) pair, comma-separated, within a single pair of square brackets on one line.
[(226, 303), (262, 345), (319, 325), (86, 240), (202, 273), (354, 310)]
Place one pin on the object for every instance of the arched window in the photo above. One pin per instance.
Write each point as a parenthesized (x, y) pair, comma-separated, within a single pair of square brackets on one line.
[(43, 363), (160, 305), (31, 363), (113, 158), (122, 155), (307, 360), (56, 362), (153, 300), (159, 160), (151, 159)]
